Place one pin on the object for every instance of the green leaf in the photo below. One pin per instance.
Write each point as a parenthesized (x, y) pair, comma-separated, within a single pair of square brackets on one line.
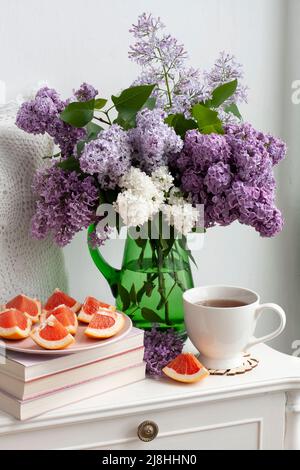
[(133, 98), (129, 102), (80, 147), (213, 128), (232, 108), (130, 124), (204, 116), (192, 258), (164, 244), (168, 243), (183, 244), (169, 119), (150, 103), (147, 289), (92, 130), (140, 294), (146, 286), (100, 103), (180, 123), (150, 315), (125, 297), (222, 93), (79, 113), (149, 286), (70, 164), (207, 119), (132, 294)]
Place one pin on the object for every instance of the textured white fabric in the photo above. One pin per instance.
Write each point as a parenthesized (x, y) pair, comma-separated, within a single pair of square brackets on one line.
[(26, 265)]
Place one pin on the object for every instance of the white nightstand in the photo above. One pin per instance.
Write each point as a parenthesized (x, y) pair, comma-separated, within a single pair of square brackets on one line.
[(256, 410)]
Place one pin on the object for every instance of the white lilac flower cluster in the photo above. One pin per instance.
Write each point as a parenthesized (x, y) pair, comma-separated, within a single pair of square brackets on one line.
[(140, 198), (180, 213), (144, 196)]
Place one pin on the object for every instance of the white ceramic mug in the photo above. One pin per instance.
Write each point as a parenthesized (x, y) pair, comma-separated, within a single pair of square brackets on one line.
[(221, 334)]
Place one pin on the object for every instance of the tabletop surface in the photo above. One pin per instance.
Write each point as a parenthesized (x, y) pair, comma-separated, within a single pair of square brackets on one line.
[(276, 371)]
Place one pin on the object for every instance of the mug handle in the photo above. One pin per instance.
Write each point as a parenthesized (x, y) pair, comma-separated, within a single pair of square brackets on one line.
[(275, 333)]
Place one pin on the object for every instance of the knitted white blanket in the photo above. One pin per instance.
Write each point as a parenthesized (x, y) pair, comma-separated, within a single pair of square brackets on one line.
[(26, 265)]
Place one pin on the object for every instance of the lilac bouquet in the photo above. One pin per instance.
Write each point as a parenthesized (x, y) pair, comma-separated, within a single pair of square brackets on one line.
[(171, 141)]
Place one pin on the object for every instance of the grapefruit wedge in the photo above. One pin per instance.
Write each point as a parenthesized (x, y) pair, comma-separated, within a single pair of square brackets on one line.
[(14, 324), (105, 324), (185, 368), (61, 298), (92, 306), (65, 315), (51, 334), (32, 307)]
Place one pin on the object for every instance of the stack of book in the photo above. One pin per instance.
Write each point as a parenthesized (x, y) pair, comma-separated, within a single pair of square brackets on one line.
[(33, 384)]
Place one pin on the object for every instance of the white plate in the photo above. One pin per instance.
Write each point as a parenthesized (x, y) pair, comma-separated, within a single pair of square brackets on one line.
[(82, 342)]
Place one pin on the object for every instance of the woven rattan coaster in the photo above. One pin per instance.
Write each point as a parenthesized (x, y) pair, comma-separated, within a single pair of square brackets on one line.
[(249, 363)]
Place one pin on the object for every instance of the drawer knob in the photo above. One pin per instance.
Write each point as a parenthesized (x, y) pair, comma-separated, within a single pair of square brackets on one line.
[(147, 431)]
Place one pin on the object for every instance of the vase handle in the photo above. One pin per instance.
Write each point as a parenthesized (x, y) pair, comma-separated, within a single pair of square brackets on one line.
[(111, 274)]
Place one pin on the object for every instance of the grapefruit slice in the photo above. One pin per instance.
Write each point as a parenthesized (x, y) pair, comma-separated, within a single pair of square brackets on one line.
[(14, 324), (65, 315), (52, 334), (92, 306), (105, 324), (185, 368), (61, 298), (32, 307)]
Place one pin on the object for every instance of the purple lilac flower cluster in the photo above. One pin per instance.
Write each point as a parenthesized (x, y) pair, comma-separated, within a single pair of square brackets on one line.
[(66, 204), (232, 176), (108, 157), (153, 140), (163, 60), (150, 45), (161, 347), (189, 89), (86, 92), (224, 70), (99, 236), (41, 115)]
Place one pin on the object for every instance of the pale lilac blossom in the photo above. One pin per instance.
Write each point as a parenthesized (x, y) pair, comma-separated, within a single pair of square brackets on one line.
[(99, 235), (108, 157), (163, 60), (42, 115), (153, 140), (66, 203), (224, 70), (86, 92)]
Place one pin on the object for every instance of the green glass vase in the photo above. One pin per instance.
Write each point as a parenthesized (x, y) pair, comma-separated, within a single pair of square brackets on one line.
[(151, 281)]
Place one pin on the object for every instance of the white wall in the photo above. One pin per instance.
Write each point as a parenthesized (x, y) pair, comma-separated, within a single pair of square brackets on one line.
[(68, 41)]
